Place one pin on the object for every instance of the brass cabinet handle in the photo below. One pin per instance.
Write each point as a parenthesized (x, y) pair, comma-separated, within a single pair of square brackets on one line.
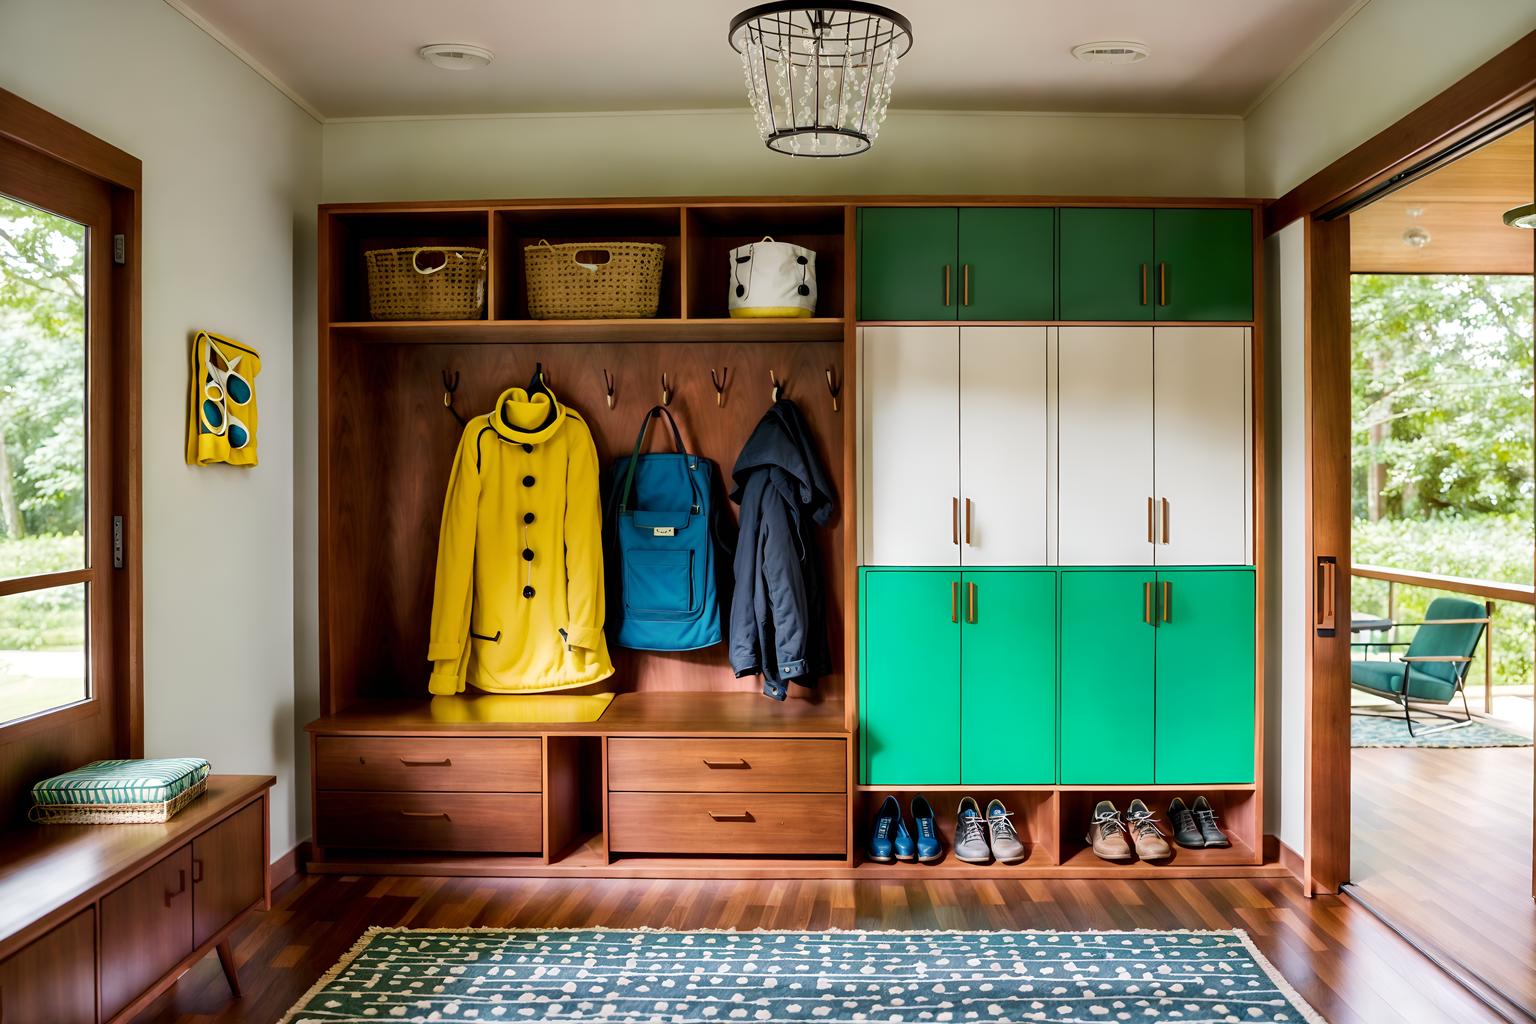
[(1143, 284), (181, 886), (967, 522), (946, 284), (1146, 603), (954, 520), (444, 763), (1162, 284), (970, 602), (1165, 520), (425, 814), (740, 762), (739, 816), (1151, 520), (1167, 614), (954, 601), (1325, 597), (965, 284)]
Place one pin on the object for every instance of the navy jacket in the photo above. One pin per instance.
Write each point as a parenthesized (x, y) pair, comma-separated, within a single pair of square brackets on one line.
[(778, 609)]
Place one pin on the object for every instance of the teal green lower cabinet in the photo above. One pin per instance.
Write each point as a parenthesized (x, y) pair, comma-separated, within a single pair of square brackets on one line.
[(1008, 677), (1205, 666), (1107, 685), (909, 682)]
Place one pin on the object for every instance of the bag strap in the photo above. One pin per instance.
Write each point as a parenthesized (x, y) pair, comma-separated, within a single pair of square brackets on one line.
[(634, 457)]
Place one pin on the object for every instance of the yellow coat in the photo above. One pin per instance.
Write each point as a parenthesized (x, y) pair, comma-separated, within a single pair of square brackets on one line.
[(518, 602)]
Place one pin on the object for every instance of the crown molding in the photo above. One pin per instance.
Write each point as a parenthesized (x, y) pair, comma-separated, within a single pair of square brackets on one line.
[(1306, 55), (181, 8)]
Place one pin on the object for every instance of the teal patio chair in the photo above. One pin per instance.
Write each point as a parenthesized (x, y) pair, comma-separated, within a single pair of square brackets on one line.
[(1433, 669)]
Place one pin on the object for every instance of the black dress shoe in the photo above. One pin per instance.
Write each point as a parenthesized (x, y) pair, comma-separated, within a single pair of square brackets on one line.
[(1206, 818), (1186, 831)]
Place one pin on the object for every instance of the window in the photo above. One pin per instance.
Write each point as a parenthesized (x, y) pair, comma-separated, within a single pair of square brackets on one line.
[(43, 486), (69, 619)]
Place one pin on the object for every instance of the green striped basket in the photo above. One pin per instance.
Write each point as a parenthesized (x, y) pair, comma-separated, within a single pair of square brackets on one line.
[(106, 792)]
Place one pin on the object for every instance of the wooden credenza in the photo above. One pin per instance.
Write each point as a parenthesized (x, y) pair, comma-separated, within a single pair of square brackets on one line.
[(97, 920)]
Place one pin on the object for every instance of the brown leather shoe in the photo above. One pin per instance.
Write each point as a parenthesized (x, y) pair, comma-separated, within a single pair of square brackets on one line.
[(1107, 834), (1150, 844)]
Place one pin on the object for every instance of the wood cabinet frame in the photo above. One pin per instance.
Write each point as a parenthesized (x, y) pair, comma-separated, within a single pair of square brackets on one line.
[(350, 349)]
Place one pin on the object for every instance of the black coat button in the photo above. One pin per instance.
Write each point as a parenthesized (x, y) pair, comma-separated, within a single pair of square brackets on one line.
[(527, 591), (801, 260), (527, 447), (527, 517), (528, 481), (527, 554)]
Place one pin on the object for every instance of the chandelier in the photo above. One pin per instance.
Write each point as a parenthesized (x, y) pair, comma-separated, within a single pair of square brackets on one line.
[(819, 78)]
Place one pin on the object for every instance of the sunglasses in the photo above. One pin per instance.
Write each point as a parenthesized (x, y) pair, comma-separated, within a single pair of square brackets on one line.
[(224, 386)]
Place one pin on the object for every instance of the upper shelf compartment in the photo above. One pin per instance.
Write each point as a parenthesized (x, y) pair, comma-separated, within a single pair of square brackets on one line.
[(353, 235), (713, 231), (516, 229)]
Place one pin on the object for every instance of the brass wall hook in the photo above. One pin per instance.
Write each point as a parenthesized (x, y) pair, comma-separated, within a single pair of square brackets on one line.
[(834, 387), (666, 391), (778, 385), (450, 385), (719, 383), (608, 387)]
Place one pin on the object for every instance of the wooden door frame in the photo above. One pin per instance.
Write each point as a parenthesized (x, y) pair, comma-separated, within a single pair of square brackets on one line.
[(1473, 107)]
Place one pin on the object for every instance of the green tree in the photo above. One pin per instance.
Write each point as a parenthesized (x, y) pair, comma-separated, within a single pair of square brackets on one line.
[(1442, 395)]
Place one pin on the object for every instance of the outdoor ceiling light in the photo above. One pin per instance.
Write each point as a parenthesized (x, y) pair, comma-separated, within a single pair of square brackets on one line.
[(1521, 216), (819, 78)]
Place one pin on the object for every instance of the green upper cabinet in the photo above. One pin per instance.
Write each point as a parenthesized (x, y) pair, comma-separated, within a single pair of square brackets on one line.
[(1104, 264), (1204, 264), (909, 683), (1108, 647), (1205, 699), (907, 263), (1007, 263), (1008, 677)]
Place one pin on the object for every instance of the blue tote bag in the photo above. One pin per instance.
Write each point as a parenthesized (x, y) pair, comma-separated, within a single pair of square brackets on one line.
[(662, 510)]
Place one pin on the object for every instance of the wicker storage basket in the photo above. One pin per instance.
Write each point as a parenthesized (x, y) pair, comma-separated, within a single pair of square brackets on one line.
[(108, 792), (562, 288), (403, 285)]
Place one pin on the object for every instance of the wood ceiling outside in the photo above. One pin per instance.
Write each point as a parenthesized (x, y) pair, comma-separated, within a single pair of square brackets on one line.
[(1461, 206)]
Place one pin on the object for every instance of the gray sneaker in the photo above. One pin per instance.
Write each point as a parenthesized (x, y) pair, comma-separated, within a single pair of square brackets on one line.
[(1006, 846), (971, 834)]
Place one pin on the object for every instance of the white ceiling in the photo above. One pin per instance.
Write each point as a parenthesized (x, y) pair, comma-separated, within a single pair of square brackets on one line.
[(357, 58)]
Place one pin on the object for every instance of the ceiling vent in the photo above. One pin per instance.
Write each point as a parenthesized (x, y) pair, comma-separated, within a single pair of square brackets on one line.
[(455, 56), (1111, 51)]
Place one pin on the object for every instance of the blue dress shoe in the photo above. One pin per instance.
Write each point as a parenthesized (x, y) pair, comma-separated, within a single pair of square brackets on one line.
[(890, 840), (929, 849)]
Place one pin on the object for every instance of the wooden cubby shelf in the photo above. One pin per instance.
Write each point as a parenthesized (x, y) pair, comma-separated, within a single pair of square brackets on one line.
[(495, 332)]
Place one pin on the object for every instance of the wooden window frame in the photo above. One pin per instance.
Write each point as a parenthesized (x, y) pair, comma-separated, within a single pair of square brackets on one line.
[(1488, 98), (115, 617)]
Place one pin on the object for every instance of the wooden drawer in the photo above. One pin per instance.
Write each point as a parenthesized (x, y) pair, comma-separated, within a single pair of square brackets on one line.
[(727, 766), (435, 764), (454, 822), (714, 823), (146, 929)]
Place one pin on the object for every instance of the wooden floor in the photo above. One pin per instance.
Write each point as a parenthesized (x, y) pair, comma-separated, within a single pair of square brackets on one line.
[(1350, 967), (1442, 845)]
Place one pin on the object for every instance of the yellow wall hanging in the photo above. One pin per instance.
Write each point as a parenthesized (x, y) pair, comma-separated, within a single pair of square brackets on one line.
[(221, 424)]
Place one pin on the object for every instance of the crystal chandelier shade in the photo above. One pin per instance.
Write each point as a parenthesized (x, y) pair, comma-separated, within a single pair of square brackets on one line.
[(819, 78)]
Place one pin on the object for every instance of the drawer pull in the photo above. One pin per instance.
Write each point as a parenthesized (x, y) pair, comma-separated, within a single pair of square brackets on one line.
[(742, 816), (739, 763), (446, 762), (425, 814), (181, 886), (197, 871)]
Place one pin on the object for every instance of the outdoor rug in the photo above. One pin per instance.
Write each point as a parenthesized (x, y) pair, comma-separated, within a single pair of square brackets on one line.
[(478, 975), (1380, 731)]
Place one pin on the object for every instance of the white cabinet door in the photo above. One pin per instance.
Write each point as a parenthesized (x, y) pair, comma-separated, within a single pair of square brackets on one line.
[(1104, 445), (910, 472), (1203, 441), (1003, 445)]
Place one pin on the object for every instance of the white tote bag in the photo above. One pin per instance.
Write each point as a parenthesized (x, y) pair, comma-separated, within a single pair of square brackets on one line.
[(772, 279)]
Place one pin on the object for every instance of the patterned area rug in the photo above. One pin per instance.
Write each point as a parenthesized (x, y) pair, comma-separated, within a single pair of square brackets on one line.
[(1380, 731), (831, 977)]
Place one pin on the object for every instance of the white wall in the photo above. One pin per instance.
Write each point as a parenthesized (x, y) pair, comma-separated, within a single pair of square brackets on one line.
[(1286, 629), (231, 178), (1390, 58), (719, 153)]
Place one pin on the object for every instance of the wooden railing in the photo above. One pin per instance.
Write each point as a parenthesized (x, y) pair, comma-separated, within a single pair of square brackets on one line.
[(1491, 591)]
